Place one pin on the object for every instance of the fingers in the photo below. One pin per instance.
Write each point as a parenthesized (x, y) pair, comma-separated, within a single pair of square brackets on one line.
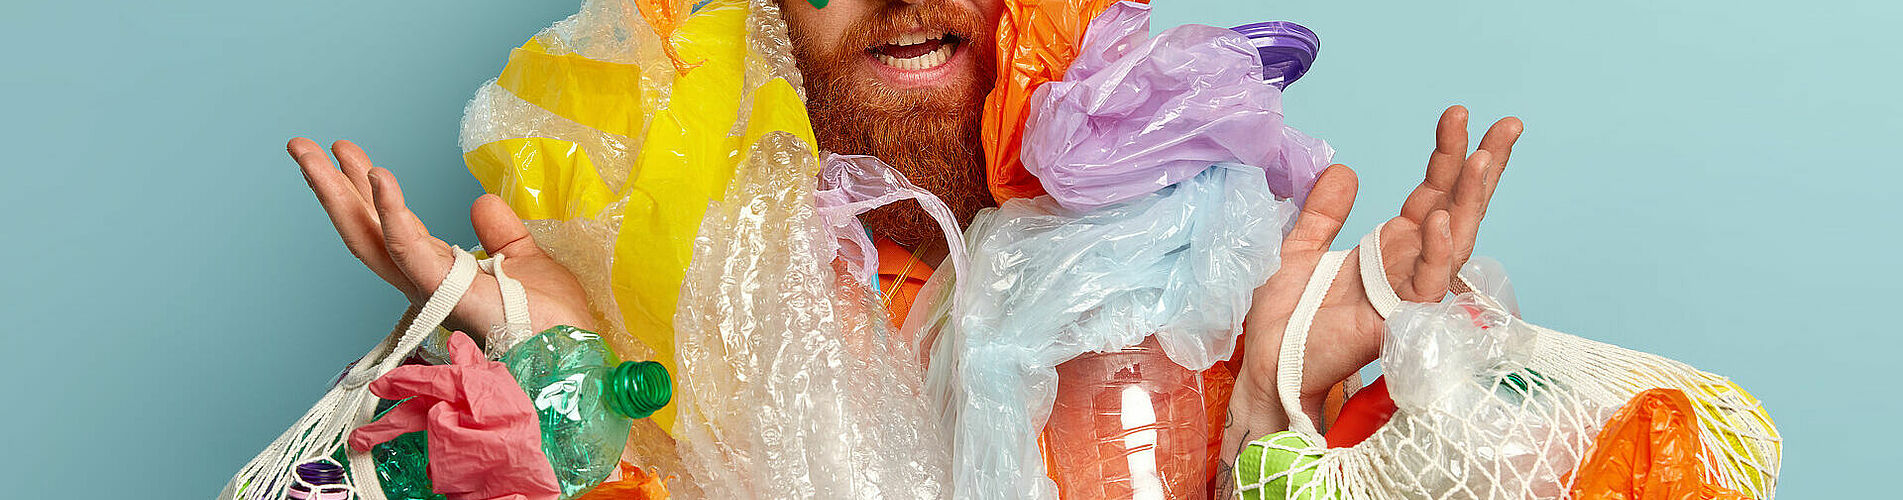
[(423, 382), (500, 232), (1443, 165), (356, 166), (1500, 139), (1435, 267), (405, 418), (421, 257), (1470, 202), (350, 213), (1329, 203)]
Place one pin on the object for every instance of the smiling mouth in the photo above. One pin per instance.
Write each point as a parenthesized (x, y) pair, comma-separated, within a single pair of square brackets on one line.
[(916, 51)]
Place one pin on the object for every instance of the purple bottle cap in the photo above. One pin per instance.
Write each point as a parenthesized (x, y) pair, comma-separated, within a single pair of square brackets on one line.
[(320, 473), (1287, 49)]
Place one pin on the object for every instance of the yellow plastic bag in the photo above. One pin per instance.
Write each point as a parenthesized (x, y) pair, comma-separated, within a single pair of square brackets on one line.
[(610, 132)]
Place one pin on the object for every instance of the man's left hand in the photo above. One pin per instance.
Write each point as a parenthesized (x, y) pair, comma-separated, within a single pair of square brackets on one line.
[(1422, 249)]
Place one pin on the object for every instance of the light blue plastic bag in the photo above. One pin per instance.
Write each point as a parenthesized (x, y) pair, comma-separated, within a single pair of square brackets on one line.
[(1046, 284)]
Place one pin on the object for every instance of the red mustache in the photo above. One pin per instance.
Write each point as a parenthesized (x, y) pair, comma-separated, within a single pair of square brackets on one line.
[(932, 16)]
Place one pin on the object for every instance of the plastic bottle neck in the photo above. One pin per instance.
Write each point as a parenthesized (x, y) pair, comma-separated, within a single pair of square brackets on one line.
[(636, 389)]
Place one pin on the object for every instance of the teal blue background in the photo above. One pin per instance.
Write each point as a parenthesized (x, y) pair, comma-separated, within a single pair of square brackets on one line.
[(1713, 181)]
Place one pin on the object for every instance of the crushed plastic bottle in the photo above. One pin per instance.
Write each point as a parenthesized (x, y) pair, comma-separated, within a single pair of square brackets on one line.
[(402, 463), (586, 398), (1128, 424)]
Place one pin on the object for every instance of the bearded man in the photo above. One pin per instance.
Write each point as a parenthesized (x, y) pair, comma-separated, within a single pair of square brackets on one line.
[(905, 80)]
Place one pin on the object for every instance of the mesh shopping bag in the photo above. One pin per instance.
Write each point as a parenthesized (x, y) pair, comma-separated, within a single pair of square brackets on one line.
[(1488, 406), (322, 431)]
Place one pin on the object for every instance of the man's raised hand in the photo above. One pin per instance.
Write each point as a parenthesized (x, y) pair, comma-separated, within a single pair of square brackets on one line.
[(1422, 249), (366, 206)]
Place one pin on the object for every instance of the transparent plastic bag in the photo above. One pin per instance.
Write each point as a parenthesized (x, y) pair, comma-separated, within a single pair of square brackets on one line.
[(1478, 417), (850, 185), (1135, 113), (1047, 284), (793, 384)]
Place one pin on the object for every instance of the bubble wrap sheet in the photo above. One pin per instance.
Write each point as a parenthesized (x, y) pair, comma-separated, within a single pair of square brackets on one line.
[(792, 385)]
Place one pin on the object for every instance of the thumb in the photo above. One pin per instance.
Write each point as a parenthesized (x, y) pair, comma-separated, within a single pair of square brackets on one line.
[(499, 230)]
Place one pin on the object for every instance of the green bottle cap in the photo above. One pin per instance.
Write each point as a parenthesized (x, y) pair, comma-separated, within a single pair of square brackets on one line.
[(637, 389)]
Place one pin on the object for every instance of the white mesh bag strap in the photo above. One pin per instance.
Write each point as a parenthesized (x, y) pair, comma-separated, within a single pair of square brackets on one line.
[(515, 308), (1288, 374), (326, 426), (1374, 278), (1374, 275)]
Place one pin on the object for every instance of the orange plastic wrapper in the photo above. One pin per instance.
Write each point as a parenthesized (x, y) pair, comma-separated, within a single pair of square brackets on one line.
[(1037, 39), (635, 484), (1650, 450)]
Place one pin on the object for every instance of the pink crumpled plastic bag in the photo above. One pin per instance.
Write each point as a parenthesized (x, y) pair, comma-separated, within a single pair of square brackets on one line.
[(485, 442), (1135, 114)]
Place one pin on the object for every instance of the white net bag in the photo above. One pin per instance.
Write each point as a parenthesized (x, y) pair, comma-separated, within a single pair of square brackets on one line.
[(1489, 406)]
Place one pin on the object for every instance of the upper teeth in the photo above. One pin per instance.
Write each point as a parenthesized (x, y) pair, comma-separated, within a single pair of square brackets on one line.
[(910, 39), (927, 60)]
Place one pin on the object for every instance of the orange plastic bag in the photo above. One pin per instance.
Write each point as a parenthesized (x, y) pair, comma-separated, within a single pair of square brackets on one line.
[(635, 484), (1650, 450), (1036, 42)]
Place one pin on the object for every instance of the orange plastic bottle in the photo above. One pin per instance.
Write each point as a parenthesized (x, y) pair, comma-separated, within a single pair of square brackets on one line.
[(1128, 424)]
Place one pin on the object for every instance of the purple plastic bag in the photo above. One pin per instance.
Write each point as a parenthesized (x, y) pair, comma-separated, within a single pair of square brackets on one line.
[(850, 185), (1135, 114)]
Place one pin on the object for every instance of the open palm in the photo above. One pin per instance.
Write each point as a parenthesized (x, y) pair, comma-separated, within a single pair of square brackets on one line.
[(366, 206), (1421, 251)]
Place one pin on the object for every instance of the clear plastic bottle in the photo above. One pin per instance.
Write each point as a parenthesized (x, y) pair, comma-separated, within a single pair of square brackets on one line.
[(1128, 424), (586, 398)]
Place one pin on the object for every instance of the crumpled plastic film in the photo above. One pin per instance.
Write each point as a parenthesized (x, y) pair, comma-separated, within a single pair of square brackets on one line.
[(850, 185), (611, 131), (792, 384), (1135, 113), (1036, 41), (1477, 420), (1650, 450), (1047, 284)]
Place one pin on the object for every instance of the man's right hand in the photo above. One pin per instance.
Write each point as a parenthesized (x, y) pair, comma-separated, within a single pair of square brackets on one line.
[(366, 206)]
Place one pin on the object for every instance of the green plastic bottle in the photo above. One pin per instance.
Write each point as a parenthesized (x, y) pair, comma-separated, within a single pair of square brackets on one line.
[(402, 463), (585, 399)]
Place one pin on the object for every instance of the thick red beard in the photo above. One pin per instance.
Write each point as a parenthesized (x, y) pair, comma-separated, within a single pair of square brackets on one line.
[(930, 134)]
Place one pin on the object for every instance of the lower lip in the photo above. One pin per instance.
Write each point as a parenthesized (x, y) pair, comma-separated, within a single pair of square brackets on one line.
[(913, 78)]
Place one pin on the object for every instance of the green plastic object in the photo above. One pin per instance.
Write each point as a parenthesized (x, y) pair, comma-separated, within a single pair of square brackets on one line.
[(1274, 467), (818, 4), (402, 464), (586, 398)]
